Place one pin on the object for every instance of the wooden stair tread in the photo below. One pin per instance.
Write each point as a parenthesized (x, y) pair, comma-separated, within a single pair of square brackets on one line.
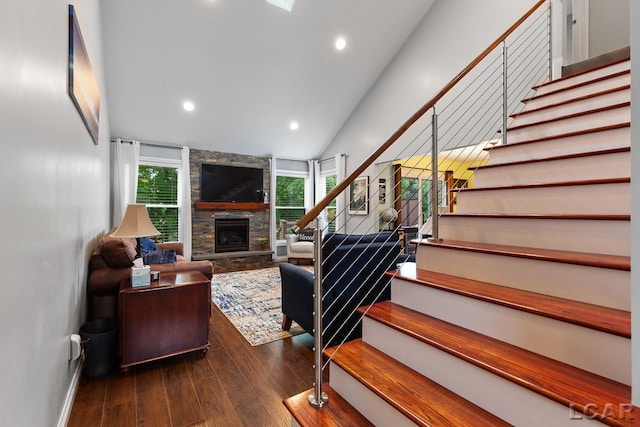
[(608, 58), (572, 100), (337, 412), (572, 115), (596, 217), (598, 67), (555, 158), (577, 85), (561, 135), (613, 321), (584, 391), (615, 262), (423, 401), (619, 180)]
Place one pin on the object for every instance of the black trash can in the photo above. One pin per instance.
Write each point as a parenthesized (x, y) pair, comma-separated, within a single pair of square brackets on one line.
[(100, 338)]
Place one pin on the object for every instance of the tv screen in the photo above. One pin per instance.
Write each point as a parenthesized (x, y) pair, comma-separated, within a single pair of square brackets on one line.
[(221, 183)]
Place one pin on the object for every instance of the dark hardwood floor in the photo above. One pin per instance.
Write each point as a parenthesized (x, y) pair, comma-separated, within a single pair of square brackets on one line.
[(235, 384)]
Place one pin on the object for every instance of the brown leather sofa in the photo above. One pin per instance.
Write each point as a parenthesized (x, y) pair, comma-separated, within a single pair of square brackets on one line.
[(111, 262)]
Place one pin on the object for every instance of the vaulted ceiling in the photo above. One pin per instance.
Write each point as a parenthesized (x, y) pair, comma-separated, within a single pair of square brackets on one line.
[(249, 68)]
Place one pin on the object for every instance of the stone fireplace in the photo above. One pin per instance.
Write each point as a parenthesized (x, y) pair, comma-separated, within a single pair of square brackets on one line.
[(231, 234), (242, 242)]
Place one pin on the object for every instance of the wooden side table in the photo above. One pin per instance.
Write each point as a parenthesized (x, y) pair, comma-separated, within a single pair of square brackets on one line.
[(169, 317)]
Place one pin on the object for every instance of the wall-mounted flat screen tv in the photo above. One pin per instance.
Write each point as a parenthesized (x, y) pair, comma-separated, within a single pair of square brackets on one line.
[(222, 183)]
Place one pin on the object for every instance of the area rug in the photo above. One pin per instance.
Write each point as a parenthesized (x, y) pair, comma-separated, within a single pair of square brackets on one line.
[(251, 301)]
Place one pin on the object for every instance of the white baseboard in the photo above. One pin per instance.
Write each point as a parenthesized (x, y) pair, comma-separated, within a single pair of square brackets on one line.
[(71, 395)]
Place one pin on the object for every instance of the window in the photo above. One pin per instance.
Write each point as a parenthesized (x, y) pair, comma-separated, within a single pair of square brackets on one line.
[(158, 189), (290, 191), (417, 204)]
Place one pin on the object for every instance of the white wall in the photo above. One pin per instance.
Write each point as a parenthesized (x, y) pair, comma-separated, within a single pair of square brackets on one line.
[(54, 191), (452, 33), (635, 202), (608, 26)]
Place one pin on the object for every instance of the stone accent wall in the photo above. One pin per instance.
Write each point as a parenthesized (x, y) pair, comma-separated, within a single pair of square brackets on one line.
[(203, 238)]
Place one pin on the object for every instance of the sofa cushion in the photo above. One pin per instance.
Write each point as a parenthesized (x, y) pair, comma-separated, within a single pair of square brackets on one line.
[(118, 252), (160, 256), (302, 247)]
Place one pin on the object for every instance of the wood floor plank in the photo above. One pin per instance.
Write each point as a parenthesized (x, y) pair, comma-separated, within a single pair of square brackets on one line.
[(198, 367), (184, 407), (149, 376), (174, 371), (120, 388), (152, 408), (216, 406), (122, 415), (86, 415)]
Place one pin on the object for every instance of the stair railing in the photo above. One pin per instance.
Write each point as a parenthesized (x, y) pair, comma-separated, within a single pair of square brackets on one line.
[(436, 160)]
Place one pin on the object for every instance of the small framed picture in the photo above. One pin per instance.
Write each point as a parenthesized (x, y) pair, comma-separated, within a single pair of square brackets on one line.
[(81, 84), (382, 190), (359, 196)]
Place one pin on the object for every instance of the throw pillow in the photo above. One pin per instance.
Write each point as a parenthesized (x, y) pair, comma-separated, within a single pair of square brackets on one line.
[(147, 245), (306, 235), (161, 256), (118, 252)]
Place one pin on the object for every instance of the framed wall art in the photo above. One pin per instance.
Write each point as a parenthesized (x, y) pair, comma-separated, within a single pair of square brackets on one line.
[(359, 196), (81, 84)]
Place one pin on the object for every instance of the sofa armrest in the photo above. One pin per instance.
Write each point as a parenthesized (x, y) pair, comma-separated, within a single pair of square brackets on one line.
[(291, 238), (177, 246), (297, 294)]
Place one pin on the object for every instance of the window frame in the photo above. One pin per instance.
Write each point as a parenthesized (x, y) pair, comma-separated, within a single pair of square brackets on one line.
[(167, 163), (307, 190)]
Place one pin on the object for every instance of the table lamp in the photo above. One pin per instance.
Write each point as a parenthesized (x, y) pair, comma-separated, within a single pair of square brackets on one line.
[(136, 223)]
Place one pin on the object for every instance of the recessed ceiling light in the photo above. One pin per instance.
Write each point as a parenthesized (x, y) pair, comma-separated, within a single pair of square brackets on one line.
[(188, 106), (294, 125), (341, 43), (283, 4)]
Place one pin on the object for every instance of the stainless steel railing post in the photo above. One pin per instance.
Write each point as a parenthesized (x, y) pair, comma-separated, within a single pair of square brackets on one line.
[(550, 40), (434, 175), (317, 398), (505, 99)]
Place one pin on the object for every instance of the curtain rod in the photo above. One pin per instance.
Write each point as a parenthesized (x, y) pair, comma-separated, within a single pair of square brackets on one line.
[(150, 144)]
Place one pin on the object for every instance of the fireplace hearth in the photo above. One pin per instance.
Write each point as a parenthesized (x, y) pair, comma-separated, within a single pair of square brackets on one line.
[(231, 235)]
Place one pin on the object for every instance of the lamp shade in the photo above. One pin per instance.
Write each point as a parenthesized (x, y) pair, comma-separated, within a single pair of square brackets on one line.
[(136, 223)]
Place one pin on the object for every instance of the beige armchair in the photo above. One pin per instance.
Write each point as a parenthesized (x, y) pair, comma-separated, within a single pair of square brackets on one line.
[(300, 246)]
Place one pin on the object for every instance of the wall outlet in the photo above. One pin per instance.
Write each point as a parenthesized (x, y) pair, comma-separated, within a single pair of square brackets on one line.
[(75, 347)]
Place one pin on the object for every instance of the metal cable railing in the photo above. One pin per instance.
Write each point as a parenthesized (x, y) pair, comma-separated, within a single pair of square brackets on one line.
[(468, 118)]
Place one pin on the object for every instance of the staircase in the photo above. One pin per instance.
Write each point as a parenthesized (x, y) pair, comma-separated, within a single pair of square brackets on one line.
[(521, 314)]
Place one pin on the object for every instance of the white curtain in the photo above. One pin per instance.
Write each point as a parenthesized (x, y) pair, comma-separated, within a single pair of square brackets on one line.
[(124, 176), (341, 201), (185, 195)]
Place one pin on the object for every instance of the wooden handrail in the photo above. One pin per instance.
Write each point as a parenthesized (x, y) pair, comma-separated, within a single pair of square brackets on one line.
[(342, 185)]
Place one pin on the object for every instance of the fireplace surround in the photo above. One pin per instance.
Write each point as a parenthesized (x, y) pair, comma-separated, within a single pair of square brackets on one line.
[(231, 234)]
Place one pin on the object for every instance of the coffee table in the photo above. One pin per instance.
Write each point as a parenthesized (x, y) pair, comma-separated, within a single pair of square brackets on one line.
[(169, 317)]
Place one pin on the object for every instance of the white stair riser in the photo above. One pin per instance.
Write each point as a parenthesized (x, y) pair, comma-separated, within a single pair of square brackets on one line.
[(376, 409), (595, 199), (606, 100), (573, 124), (583, 78), (508, 401), (579, 235), (593, 285), (614, 165), (577, 92), (575, 345), (615, 138)]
